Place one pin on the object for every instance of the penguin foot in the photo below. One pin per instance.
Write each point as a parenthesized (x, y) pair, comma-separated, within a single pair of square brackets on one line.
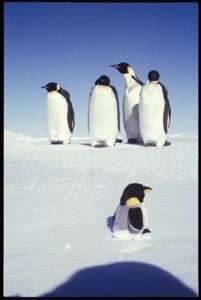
[(132, 141), (118, 140), (57, 142), (167, 143), (100, 145), (150, 145), (146, 230)]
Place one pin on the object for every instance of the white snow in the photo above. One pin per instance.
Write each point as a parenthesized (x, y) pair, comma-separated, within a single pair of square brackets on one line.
[(58, 204)]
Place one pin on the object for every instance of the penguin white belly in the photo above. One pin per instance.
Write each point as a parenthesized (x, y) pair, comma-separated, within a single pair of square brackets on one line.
[(151, 113), (103, 121), (130, 112), (56, 114)]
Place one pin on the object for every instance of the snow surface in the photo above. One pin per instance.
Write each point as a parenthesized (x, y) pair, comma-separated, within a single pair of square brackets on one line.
[(58, 204)]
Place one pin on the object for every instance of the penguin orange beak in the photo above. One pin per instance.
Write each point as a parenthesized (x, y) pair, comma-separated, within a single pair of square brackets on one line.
[(43, 87), (147, 189)]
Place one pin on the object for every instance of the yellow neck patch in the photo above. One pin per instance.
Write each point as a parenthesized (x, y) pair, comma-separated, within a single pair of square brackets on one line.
[(53, 92), (132, 201), (130, 70), (103, 87)]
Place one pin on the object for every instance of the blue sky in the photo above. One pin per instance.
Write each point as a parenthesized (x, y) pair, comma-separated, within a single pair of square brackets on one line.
[(75, 43)]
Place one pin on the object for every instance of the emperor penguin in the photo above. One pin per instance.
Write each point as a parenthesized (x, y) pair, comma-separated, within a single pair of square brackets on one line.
[(130, 102), (131, 216), (154, 112), (59, 114), (103, 113)]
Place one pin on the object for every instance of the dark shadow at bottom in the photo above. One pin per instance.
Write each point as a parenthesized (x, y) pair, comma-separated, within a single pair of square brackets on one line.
[(124, 279)]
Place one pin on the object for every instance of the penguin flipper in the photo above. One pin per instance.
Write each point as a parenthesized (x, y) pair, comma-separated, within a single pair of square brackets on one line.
[(64, 93), (70, 115), (167, 109), (135, 217), (167, 116), (117, 99), (137, 80)]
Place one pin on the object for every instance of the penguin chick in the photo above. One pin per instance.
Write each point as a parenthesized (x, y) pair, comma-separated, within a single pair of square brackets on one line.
[(130, 102), (103, 113), (59, 114), (154, 112), (131, 217)]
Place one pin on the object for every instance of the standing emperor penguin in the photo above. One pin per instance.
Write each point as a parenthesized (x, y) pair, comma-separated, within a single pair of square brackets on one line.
[(131, 217), (59, 114), (103, 113), (130, 102), (154, 112)]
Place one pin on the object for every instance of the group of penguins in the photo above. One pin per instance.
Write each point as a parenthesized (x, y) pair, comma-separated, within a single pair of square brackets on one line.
[(146, 117), (146, 111)]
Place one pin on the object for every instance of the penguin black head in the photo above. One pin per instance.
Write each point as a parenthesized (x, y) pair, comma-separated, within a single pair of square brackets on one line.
[(134, 194), (153, 75), (52, 86), (103, 80), (123, 67)]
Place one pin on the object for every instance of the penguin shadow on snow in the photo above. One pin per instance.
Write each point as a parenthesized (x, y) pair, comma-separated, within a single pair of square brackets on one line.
[(110, 223), (117, 142), (86, 144), (122, 279)]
